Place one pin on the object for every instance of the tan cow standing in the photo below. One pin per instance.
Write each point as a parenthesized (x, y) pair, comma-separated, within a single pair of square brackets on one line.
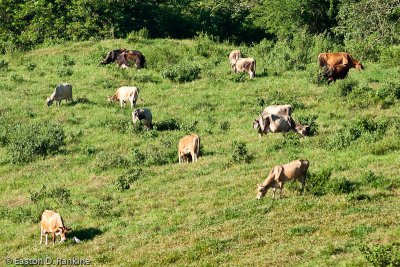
[(52, 222), (246, 65), (233, 57), (189, 145), (339, 58), (125, 94), (292, 171)]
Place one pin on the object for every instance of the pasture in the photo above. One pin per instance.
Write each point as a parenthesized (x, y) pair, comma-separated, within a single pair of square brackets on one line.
[(128, 200)]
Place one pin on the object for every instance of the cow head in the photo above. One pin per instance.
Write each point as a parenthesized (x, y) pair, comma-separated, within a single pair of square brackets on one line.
[(359, 66), (303, 130), (261, 191), (136, 116), (256, 124), (62, 231), (49, 101)]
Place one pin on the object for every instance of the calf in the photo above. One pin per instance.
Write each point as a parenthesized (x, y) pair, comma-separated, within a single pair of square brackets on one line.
[(52, 222), (246, 65), (292, 171), (112, 56), (129, 58), (278, 123), (125, 94), (189, 145), (62, 92), (233, 57), (144, 115)]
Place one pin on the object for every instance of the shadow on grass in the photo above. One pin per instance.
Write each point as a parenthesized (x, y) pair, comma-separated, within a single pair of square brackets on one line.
[(86, 233), (81, 100)]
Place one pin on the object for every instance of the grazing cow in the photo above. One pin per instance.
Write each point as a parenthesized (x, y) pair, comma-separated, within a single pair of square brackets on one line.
[(189, 145), (52, 222), (285, 110), (278, 123), (233, 57), (340, 58), (143, 114), (292, 171), (335, 72), (112, 56), (246, 65), (62, 92), (125, 94), (126, 59)]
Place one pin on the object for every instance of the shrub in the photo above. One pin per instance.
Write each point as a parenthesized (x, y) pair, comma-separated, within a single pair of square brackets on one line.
[(344, 87), (135, 36), (341, 186), (382, 255), (204, 45), (374, 180), (137, 157), (60, 194), (390, 56), (145, 78), (168, 125), (301, 230), (31, 66), (106, 161), (290, 139), (224, 126), (188, 127), (239, 77), (65, 72), (67, 61), (17, 78), (316, 183), (388, 92), (35, 139), (3, 65), (310, 121), (182, 72), (123, 182), (240, 153)]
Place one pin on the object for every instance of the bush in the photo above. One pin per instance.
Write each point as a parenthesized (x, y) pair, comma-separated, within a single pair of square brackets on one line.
[(341, 186), (301, 230), (3, 65), (390, 56), (310, 121), (17, 78), (35, 139), (316, 183), (182, 72), (204, 45), (67, 61), (388, 92), (65, 72), (60, 194), (168, 125), (224, 126), (124, 181), (376, 181), (31, 66), (135, 36), (290, 139), (111, 160), (382, 255), (344, 87), (240, 153)]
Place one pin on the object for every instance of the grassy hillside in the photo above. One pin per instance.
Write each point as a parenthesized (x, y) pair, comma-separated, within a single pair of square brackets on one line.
[(203, 213)]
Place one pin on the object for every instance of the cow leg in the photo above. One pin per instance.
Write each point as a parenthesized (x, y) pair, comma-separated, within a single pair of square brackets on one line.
[(46, 239), (41, 236), (303, 184), (121, 103), (273, 192), (54, 237), (280, 189)]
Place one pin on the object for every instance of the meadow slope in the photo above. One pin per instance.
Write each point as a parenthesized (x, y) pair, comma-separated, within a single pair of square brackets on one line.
[(204, 213)]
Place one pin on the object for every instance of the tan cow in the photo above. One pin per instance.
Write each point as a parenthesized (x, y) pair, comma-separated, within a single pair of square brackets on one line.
[(52, 223), (278, 123), (292, 171), (62, 92), (233, 57), (189, 145), (246, 65), (339, 58), (125, 94)]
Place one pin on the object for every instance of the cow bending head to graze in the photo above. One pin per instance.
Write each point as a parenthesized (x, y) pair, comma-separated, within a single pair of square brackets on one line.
[(339, 58), (233, 57), (189, 146), (246, 65), (131, 58), (51, 222), (126, 94), (61, 92), (144, 115), (112, 56), (274, 123), (293, 171)]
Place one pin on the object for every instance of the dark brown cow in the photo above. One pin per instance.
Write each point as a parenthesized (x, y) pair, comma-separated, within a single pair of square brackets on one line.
[(129, 58), (335, 72), (112, 56), (339, 58)]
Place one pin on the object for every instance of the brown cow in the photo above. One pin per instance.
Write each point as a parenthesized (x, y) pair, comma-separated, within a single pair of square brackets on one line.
[(339, 58), (112, 56), (52, 223), (246, 65), (233, 57), (129, 58), (292, 171), (189, 145)]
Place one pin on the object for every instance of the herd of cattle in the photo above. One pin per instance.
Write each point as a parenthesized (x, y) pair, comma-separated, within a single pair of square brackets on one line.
[(276, 118)]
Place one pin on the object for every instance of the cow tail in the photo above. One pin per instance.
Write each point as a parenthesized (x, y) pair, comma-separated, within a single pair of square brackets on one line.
[(198, 146), (254, 67)]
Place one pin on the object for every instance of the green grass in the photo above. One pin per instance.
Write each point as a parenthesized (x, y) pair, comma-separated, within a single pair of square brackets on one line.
[(203, 213)]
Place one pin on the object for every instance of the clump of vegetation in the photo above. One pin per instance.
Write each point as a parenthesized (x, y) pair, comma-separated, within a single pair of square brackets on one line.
[(168, 125), (205, 45), (290, 139), (182, 72), (28, 141), (382, 255), (224, 126), (111, 160), (3, 65), (301, 230), (139, 35), (310, 121), (60, 194), (344, 87), (65, 72), (239, 77), (67, 61), (31, 66), (376, 180), (17, 78), (104, 208), (124, 181), (316, 183), (341, 185), (388, 93), (240, 153)]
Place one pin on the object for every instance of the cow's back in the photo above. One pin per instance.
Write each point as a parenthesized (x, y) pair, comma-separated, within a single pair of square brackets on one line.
[(50, 220), (63, 91), (125, 92), (188, 142), (285, 110), (295, 169)]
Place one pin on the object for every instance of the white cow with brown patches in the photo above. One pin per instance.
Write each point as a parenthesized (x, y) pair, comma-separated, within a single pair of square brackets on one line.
[(189, 145), (246, 65), (52, 222)]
